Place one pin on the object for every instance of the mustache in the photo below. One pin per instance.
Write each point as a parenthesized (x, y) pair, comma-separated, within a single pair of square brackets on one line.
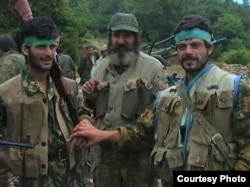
[(120, 48), (189, 58), (47, 58)]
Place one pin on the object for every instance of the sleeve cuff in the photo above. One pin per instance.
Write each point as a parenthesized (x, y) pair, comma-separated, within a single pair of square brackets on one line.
[(124, 136), (87, 117)]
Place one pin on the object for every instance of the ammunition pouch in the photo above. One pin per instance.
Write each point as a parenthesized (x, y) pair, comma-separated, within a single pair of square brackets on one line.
[(165, 160), (138, 91)]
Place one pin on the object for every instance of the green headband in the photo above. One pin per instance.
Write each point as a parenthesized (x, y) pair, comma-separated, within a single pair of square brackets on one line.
[(34, 41), (193, 33)]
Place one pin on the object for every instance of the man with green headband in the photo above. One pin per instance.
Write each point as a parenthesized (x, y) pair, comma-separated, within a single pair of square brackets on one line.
[(31, 105), (203, 122)]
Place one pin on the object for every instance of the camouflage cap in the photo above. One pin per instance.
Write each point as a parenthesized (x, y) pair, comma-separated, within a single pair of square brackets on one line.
[(123, 21)]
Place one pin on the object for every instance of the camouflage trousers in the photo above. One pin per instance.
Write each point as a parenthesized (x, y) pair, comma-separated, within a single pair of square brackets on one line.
[(118, 168), (4, 168)]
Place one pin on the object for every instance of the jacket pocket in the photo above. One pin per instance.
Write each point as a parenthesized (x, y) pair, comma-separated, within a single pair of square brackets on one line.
[(16, 161), (198, 154), (31, 162), (199, 134), (173, 156), (100, 103), (166, 104), (201, 100), (137, 96), (165, 161), (168, 115)]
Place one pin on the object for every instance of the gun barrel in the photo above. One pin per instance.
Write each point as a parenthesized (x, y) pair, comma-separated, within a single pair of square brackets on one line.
[(219, 41), (165, 40), (161, 51), (16, 145)]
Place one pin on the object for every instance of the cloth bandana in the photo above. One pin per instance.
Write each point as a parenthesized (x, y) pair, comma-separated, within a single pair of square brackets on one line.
[(34, 41), (193, 33)]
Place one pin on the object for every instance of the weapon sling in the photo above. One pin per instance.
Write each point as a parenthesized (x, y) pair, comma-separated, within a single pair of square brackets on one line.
[(216, 137)]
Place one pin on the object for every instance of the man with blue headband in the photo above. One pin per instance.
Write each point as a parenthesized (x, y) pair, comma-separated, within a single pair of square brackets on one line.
[(31, 104), (203, 121)]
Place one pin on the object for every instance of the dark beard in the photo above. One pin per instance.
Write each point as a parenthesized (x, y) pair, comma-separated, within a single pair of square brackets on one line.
[(202, 63)]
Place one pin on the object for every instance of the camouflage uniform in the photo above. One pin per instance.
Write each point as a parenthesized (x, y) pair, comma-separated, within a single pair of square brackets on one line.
[(182, 143), (11, 64), (120, 100), (27, 109)]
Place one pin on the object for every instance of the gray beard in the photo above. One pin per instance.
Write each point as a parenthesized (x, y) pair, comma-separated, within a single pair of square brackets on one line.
[(124, 59)]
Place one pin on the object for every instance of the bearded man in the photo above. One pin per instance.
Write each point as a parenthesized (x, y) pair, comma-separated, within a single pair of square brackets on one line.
[(122, 86)]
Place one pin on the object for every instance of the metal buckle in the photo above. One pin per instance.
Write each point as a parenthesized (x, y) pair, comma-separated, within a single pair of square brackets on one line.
[(217, 138), (62, 155)]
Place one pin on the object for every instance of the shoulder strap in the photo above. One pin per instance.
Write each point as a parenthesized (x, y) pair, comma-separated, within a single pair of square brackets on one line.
[(216, 138), (157, 111), (237, 81)]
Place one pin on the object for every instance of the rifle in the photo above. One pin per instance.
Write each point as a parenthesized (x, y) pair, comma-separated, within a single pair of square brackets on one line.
[(154, 44), (16, 145), (63, 90)]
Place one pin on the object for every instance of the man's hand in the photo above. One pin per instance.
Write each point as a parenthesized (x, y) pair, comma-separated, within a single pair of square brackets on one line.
[(89, 86), (87, 131), (92, 134)]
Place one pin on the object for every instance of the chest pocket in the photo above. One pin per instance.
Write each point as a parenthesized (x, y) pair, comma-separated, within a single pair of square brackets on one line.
[(166, 154), (168, 116), (217, 109), (138, 94), (99, 100)]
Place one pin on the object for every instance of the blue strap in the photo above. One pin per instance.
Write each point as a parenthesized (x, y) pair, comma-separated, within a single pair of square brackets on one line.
[(237, 80), (157, 111)]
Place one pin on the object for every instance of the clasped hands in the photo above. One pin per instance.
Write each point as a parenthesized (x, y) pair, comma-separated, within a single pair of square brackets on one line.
[(84, 134)]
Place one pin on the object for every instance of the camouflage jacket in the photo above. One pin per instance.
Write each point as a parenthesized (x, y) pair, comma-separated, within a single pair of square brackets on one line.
[(27, 109), (121, 99), (11, 64)]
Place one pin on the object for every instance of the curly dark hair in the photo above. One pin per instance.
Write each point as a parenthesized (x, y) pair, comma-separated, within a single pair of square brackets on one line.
[(193, 21), (42, 27)]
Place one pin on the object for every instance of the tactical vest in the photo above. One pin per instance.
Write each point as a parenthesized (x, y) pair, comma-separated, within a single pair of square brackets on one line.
[(29, 116), (212, 95)]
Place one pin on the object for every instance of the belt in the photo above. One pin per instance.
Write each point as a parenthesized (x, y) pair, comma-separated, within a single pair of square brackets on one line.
[(58, 155)]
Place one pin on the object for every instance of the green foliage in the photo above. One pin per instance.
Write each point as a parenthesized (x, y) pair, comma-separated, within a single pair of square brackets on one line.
[(234, 56), (228, 25), (82, 21), (71, 20)]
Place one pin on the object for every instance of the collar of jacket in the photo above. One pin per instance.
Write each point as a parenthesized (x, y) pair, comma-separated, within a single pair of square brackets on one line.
[(32, 86)]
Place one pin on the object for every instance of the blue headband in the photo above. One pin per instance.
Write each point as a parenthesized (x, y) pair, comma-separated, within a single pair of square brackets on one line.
[(193, 34)]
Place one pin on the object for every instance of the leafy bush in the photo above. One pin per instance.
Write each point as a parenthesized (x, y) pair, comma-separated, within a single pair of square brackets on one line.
[(234, 56)]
